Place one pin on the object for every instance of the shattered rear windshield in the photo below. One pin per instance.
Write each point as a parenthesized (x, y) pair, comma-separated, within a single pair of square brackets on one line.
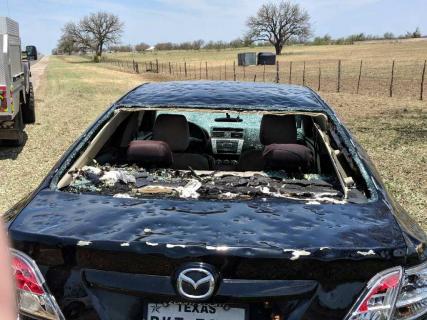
[(134, 182), (191, 154)]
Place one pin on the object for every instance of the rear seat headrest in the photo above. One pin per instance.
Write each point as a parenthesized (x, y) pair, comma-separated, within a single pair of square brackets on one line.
[(149, 153), (278, 129), (288, 157), (174, 130)]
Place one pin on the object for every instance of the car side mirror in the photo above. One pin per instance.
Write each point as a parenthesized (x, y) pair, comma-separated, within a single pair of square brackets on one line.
[(31, 52)]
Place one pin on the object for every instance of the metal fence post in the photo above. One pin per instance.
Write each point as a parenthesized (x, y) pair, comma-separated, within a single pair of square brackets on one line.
[(360, 76), (303, 75), (392, 80), (422, 80)]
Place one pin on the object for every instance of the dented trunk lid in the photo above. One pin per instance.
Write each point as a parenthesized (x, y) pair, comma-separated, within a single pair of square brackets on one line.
[(106, 257), (276, 228)]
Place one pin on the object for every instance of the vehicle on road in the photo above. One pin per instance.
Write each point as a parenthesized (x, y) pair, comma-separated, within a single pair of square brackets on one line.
[(216, 201), (16, 90)]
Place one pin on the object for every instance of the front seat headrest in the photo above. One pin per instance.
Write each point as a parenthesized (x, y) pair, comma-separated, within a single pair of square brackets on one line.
[(149, 153), (278, 129), (174, 130)]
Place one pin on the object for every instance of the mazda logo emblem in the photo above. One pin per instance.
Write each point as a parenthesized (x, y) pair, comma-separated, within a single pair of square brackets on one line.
[(196, 283)]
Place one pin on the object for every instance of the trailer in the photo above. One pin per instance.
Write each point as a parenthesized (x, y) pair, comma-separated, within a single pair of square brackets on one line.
[(16, 91)]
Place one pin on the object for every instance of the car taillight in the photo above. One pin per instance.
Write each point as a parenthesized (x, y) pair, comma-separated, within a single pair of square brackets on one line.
[(379, 298), (412, 300), (33, 296), (3, 98)]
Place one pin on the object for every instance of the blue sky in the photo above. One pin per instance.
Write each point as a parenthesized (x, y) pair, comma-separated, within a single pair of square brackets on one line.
[(155, 21)]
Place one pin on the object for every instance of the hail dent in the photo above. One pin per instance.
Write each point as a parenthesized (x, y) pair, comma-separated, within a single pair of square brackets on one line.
[(366, 253), (296, 254), (83, 243), (218, 248), (171, 246), (123, 196)]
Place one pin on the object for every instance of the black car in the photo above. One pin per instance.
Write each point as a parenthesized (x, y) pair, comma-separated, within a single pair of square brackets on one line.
[(216, 201)]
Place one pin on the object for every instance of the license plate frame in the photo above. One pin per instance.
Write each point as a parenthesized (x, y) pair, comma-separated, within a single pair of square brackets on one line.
[(245, 307)]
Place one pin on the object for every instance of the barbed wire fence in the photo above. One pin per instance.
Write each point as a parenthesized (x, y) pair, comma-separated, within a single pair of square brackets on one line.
[(400, 78)]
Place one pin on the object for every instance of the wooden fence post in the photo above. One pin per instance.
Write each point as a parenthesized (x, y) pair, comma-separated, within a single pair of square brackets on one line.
[(234, 71), (360, 76), (303, 75), (339, 76), (422, 80), (200, 69), (277, 72), (290, 72), (170, 68), (392, 80), (244, 72), (136, 67), (255, 77), (225, 71), (185, 69), (157, 65), (263, 74), (320, 76), (206, 66)]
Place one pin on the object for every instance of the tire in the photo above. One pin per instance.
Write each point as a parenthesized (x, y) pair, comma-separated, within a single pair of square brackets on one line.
[(19, 126), (28, 110)]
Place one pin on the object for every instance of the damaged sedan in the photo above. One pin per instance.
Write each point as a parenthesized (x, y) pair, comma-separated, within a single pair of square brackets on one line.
[(216, 201)]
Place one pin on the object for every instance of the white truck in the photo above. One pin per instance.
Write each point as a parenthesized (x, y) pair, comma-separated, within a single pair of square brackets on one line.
[(16, 92)]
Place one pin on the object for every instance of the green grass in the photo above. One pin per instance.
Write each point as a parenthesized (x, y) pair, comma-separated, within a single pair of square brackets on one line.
[(71, 95)]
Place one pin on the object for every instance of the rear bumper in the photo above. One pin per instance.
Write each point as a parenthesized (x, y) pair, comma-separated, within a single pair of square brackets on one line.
[(6, 116), (9, 134)]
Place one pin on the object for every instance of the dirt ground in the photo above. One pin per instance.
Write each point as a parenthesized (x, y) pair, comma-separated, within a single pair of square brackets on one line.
[(73, 92), (37, 71)]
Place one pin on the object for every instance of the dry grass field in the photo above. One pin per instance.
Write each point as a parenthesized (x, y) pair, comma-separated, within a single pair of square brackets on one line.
[(375, 77), (74, 91)]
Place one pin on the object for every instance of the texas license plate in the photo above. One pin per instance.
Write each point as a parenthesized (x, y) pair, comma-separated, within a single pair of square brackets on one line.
[(194, 311)]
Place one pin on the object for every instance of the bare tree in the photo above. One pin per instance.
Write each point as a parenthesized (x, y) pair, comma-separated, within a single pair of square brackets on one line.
[(68, 43), (279, 22), (95, 32)]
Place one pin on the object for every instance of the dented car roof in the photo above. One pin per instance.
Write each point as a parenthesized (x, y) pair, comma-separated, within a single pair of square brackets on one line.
[(232, 95)]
